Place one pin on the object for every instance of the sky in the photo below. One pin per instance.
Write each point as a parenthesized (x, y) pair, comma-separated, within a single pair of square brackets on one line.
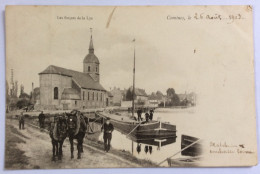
[(169, 53)]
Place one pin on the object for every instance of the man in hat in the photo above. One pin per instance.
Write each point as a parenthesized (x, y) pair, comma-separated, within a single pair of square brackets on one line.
[(21, 121), (41, 119), (147, 116), (139, 114), (108, 129), (151, 114)]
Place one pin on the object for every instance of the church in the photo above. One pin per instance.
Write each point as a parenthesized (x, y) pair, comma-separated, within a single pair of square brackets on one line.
[(66, 89)]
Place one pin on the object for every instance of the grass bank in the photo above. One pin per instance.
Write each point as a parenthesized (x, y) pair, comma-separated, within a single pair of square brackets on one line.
[(14, 157)]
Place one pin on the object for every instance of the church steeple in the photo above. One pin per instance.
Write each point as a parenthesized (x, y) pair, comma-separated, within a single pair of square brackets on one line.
[(91, 46), (91, 62)]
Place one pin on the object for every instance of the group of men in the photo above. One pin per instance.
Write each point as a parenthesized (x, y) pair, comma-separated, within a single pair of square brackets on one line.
[(148, 116)]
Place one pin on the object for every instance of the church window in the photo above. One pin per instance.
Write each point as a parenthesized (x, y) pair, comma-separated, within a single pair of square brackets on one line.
[(97, 96), (83, 95), (76, 103), (56, 93), (93, 97), (101, 96), (88, 95), (96, 69), (88, 68)]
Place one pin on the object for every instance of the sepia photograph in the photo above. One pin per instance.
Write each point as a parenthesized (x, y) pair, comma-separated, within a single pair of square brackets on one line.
[(129, 87)]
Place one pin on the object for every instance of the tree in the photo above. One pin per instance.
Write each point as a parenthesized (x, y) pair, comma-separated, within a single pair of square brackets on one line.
[(159, 95), (175, 100), (153, 96), (129, 95), (24, 96), (21, 89), (15, 90), (22, 103), (170, 92), (185, 102)]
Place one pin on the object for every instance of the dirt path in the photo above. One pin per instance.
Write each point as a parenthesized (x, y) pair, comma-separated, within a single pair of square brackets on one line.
[(38, 150)]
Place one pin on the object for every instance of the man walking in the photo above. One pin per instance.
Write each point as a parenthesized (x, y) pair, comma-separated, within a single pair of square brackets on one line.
[(21, 121), (108, 129), (41, 119)]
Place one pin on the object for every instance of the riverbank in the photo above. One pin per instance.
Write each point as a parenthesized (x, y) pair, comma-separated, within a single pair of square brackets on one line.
[(35, 151), (15, 158)]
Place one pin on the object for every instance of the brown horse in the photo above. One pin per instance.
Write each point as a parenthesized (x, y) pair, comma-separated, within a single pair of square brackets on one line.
[(58, 133), (76, 130)]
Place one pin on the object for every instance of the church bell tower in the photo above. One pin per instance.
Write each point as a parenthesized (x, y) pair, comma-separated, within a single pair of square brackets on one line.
[(91, 62)]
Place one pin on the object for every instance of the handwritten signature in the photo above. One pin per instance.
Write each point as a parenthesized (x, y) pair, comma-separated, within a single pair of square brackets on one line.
[(225, 148)]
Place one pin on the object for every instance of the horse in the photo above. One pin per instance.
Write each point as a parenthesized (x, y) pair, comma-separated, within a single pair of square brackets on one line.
[(58, 133), (76, 130)]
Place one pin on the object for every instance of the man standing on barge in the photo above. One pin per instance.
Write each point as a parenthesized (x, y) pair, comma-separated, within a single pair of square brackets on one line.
[(139, 114)]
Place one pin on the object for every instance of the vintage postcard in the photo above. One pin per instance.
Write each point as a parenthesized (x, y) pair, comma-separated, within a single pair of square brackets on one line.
[(120, 87)]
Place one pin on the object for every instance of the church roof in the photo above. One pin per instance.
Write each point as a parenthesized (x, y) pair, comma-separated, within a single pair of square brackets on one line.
[(70, 93), (82, 79), (91, 58)]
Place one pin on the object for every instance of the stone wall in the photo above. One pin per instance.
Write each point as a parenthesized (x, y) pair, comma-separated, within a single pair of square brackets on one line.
[(47, 84), (93, 98), (47, 102)]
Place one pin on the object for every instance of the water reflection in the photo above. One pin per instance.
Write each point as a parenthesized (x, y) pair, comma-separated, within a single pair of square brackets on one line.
[(150, 149), (149, 143), (160, 148), (146, 149), (138, 148)]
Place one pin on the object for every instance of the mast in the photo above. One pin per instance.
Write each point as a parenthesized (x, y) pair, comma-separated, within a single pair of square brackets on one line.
[(133, 101)]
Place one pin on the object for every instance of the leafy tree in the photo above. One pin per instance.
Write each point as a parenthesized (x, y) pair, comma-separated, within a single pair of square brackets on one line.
[(185, 102), (24, 96), (170, 92), (22, 103), (129, 95), (159, 95), (153, 96), (175, 100)]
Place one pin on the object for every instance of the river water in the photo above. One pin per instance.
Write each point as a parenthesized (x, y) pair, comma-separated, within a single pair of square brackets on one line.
[(186, 123)]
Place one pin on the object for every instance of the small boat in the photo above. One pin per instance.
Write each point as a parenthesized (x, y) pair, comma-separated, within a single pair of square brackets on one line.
[(151, 129), (194, 150), (184, 162)]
